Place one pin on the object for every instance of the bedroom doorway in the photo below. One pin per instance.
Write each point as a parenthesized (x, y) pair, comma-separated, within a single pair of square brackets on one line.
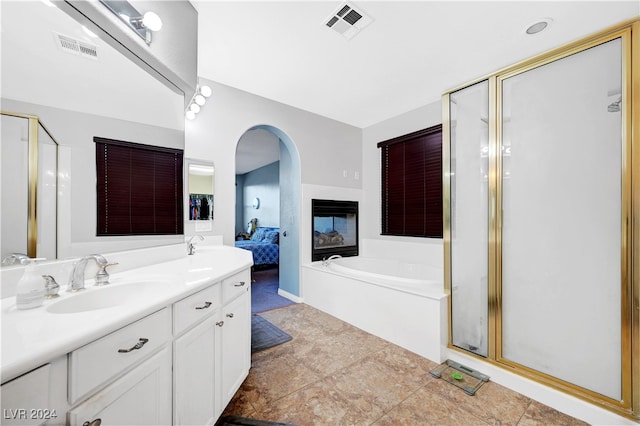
[(267, 198)]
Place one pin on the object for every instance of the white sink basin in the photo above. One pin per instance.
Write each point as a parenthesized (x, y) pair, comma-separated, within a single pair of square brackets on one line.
[(94, 298)]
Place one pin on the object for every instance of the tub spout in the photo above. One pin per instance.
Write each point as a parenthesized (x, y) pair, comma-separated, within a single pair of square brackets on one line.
[(327, 260)]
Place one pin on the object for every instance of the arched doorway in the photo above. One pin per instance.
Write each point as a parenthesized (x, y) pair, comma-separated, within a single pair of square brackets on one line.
[(253, 143)]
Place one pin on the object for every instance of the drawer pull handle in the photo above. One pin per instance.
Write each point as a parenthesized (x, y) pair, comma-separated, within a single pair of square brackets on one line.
[(206, 305), (137, 346), (220, 323), (239, 284), (230, 315), (96, 422)]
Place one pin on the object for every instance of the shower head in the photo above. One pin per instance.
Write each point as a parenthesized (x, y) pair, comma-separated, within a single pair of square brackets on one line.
[(615, 106)]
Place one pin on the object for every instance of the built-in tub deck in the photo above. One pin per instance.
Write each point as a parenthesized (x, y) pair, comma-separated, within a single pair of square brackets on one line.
[(401, 302)]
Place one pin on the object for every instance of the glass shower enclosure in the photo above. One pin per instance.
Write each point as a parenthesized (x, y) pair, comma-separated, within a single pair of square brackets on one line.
[(539, 204)]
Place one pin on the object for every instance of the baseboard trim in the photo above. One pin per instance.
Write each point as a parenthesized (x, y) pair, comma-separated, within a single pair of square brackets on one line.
[(289, 296)]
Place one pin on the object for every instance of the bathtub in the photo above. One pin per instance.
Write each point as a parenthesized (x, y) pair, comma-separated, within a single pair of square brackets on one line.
[(403, 303), (414, 278)]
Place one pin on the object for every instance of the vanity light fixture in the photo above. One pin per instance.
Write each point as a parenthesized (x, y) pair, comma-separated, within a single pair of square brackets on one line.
[(197, 101), (143, 25)]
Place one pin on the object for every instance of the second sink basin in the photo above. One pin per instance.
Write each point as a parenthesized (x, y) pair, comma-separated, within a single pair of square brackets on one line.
[(93, 298)]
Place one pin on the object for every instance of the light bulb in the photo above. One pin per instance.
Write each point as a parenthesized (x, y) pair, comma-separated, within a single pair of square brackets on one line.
[(200, 100), (152, 21), (195, 108), (190, 115), (205, 91)]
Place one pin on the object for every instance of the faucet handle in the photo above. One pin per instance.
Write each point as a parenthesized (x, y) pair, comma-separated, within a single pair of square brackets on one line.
[(51, 287), (102, 276)]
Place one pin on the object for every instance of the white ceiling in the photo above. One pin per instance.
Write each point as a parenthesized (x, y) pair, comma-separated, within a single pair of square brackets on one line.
[(407, 57)]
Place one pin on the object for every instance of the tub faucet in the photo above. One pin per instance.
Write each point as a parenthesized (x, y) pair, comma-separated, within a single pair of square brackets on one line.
[(327, 260), (191, 247), (76, 281), (16, 258)]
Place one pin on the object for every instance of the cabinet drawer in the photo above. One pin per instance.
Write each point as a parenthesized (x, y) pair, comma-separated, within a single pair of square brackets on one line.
[(236, 285), (98, 362), (140, 397), (192, 309)]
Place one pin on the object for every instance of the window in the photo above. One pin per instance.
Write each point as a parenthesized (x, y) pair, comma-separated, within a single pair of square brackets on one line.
[(411, 190), (139, 189)]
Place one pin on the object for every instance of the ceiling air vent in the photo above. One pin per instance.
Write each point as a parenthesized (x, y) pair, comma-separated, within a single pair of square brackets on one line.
[(75, 46), (347, 20)]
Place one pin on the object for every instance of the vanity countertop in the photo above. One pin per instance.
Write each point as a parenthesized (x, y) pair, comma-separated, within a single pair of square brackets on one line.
[(33, 337)]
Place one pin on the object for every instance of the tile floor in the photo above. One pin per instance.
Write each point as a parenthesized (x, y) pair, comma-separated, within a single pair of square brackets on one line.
[(332, 373)]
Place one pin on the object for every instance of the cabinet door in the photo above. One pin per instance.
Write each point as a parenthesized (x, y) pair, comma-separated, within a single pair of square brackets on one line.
[(194, 375), (140, 397), (25, 399), (236, 345)]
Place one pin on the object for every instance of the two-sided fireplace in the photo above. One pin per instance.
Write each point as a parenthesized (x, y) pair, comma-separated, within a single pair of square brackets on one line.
[(334, 227)]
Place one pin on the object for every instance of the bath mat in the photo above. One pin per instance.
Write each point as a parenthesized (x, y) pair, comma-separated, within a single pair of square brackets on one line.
[(467, 379), (245, 421), (265, 335)]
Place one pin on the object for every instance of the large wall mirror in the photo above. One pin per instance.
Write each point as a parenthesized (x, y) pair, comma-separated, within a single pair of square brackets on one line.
[(79, 87)]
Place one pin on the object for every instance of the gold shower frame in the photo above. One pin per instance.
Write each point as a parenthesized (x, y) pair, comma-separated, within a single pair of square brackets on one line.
[(629, 34), (34, 124)]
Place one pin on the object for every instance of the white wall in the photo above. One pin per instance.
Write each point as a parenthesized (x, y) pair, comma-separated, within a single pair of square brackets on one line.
[(326, 148), (420, 118)]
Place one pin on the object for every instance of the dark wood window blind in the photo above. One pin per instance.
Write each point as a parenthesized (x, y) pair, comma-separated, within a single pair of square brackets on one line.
[(411, 190), (139, 189)]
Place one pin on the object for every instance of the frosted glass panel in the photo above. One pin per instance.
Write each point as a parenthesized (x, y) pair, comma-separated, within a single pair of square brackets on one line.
[(469, 224), (561, 237), (47, 195)]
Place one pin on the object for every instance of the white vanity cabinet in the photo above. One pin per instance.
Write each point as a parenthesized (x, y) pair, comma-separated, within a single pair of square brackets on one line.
[(140, 397), (194, 380), (179, 365), (95, 364), (25, 398), (211, 350), (235, 343)]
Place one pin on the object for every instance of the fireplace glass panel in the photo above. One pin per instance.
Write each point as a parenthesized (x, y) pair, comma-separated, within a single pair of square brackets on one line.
[(335, 228)]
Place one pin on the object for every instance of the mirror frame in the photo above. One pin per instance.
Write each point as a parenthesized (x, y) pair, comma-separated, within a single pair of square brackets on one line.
[(34, 124)]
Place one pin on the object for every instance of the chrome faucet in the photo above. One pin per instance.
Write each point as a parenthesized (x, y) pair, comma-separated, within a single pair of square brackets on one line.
[(16, 258), (76, 281), (327, 260), (51, 287), (191, 247)]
